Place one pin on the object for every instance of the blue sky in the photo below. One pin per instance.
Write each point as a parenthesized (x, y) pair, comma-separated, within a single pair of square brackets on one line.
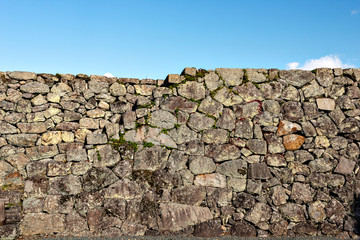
[(150, 39)]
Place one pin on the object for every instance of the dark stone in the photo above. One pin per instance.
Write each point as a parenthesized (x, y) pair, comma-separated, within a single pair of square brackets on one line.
[(292, 111), (244, 200), (211, 228), (97, 178), (243, 229), (258, 171)]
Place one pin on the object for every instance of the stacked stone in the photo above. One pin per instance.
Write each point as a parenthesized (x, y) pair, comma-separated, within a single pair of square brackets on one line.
[(243, 152)]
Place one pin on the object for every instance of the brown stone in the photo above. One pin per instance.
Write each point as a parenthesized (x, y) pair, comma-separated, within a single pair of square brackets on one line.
[(286, 127), (41, 223), (293, 142)]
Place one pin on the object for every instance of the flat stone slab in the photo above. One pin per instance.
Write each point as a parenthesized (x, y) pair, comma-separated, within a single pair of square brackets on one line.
[(327, 104)]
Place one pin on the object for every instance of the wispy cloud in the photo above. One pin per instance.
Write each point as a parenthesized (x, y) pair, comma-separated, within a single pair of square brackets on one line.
[(355, 11), (108, 75), (329, 61)]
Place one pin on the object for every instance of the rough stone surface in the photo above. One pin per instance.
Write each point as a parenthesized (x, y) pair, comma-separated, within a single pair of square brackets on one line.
[(240, 152), (176, 216)]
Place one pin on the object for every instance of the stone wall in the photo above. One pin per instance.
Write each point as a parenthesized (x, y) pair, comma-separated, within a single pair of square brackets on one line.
[(242, 152)]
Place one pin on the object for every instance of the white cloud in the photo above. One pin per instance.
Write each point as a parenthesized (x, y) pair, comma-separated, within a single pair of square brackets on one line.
[(108, 75), (355, 11), (329, 61), (292, 65)]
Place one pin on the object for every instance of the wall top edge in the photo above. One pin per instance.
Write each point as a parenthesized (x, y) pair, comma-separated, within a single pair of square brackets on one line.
[(32, 76)]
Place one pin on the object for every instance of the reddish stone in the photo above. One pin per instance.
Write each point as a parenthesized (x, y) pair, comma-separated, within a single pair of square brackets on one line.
[(293, 142)]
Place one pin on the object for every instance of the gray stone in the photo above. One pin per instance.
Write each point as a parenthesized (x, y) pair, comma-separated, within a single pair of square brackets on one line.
[(227, 97), (120, 107), (248, 110), (212, 81), (260, 213), (290, 93), (309, 129), (349, 125), (244, 128), (257, 146), (129, 118), (275, 160), (311, 110), (67, 185), (41, 223), (210, 107), (199, 122), (278, 195), (89, 123), (292, 111), (222, 152), (145, 90), (201, 165), (98, 86), (293, 212), (345, 166), (70, 116), (96, 139), (249, 92), (55, 168), (192, 90), (321, 165), (76, 155), (253, 187), (162, 119), (35, 87), (215, 136), (231, 76), (75, 224), (296, 78), (22, 140), (303, 156), (19, 75), (6, 128), (195, 147), (182, 135), (256, 75), (23, 106), (124, 189), (313, 90), (175, 217), (61, 89), (324, 76), (104, 156), (98, 178), (151, 158), (271, 90), (177, 160), (317, 211), (236, 184), (58, 204), (353, 92), (227, 120), (190, 195), (173, 103), (301, 192), (41, 152), (117, 89), (32, 127), (258, 171), (335, 212), (274, 143), (326, 127), (210, 180), (233, 168)]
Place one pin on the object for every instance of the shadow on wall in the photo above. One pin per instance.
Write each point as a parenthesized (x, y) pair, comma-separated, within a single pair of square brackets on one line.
[(355, 210)]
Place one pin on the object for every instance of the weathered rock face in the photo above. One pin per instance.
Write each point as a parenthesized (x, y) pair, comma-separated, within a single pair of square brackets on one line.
[(175, 217), (240, 152)]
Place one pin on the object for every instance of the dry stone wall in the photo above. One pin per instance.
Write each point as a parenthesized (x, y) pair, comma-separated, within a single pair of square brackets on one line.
[(241, 152)]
